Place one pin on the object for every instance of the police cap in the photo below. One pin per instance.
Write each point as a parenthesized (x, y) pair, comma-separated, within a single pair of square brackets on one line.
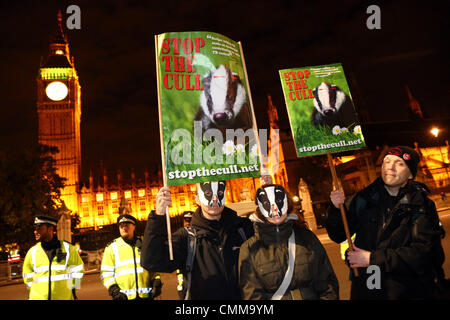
[(126, 218), (187, 215), (38, 220)]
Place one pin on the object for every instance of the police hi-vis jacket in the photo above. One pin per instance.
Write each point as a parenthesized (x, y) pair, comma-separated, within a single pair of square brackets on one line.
[(14, 256), (52, 279), (121, 265)]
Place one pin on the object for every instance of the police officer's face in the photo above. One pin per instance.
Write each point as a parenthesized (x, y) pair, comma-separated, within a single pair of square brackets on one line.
[(127, 230), (394, 171), (43, 232)]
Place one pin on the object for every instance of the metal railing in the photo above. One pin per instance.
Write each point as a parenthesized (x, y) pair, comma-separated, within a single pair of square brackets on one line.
[(92, 259), (10, 271)]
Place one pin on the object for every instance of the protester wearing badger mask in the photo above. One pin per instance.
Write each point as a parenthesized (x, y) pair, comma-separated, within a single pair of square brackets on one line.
[(284, 259), (210, 262)]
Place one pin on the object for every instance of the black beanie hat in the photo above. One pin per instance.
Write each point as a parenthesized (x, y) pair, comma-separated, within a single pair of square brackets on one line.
[(409, 155)]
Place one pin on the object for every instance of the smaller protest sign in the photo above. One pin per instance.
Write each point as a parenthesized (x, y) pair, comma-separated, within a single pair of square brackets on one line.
[(321, 111)]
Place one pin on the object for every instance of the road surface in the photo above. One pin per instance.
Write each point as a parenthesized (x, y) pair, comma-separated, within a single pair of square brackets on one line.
[(92, 288)]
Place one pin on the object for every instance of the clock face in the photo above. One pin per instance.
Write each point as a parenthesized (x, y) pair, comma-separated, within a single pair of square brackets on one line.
[(56, 91)]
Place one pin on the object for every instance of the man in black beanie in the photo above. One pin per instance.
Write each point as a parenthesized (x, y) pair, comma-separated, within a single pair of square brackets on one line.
[(397, 243)]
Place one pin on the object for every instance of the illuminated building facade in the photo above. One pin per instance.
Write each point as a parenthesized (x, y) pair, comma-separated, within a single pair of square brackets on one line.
[(435, 169)]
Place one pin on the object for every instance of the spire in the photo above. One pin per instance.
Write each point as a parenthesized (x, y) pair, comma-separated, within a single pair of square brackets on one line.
[(59, 56), (133, 179), (125, 207), (272, 113), (91, 181), (414, 105), (105, 179), (147, 180), (59, 37), (119, 179)]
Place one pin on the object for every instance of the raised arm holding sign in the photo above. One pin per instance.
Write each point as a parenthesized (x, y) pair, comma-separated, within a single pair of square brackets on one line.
[(340, 204)]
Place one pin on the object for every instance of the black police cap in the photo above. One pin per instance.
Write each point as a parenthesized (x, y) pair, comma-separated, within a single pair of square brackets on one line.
[(126, 218)]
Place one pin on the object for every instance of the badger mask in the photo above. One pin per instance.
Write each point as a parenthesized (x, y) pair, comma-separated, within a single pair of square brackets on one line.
[(272, 195), (207, 190)]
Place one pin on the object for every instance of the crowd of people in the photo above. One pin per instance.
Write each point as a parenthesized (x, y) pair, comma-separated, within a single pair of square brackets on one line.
[(272, 255)]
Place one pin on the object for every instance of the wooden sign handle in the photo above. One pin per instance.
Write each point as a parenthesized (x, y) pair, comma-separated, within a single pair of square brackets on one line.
[(252, 109), (163, 159), (341, 207)]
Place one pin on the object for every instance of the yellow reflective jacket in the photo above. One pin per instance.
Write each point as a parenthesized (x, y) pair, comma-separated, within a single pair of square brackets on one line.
[(121, 265), (54, 279), (14, 256), (344, 246)]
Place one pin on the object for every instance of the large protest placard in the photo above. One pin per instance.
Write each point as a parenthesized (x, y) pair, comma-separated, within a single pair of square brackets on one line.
[(321, 110), (207, 123), (322, 117)]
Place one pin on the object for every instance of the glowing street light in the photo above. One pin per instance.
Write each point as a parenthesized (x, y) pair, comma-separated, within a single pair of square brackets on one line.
[(435, 132)]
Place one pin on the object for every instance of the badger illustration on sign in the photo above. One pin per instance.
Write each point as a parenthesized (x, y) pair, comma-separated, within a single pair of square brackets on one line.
[(332, 107), (223, 102)]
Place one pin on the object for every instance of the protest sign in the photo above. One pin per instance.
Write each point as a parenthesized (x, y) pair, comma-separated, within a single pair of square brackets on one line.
[(207, 123), (322, 117), (320, 109)]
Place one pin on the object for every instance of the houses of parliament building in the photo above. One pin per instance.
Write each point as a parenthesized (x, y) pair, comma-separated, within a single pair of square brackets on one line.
[(59, 109)]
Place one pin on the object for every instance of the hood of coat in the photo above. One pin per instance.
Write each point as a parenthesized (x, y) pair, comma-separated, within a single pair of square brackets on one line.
[(270, 233), (412, 194)]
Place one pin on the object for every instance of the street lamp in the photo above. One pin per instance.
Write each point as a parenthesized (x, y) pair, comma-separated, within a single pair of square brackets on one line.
[(435, 131)]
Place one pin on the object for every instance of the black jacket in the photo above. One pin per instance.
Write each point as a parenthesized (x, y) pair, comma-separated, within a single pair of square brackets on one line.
[(403, 235), (215, 274)]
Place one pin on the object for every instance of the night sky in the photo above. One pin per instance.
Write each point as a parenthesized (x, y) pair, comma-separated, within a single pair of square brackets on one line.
[(115, 60)]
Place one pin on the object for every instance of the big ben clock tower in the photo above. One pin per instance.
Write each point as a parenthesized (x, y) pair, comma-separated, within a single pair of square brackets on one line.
[(59, 113)]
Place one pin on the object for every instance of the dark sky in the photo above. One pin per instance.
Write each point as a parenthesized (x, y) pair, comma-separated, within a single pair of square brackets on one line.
[(115, 61)]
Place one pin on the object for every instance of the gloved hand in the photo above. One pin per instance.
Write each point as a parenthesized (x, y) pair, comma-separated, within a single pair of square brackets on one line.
[(114, 292), (346, 257), (156, 288)]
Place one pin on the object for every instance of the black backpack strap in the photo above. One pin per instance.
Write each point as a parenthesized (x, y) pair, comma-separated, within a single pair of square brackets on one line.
[(192, 244), (242, 233)]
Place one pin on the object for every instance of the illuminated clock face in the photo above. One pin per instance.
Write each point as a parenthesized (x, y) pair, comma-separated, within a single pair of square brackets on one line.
[(56, 91)]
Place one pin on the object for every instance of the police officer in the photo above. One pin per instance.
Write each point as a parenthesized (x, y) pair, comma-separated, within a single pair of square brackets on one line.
[(187, 217), (14, 260), (181, 288), (121, 271), (52, 269), (14, 255)]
